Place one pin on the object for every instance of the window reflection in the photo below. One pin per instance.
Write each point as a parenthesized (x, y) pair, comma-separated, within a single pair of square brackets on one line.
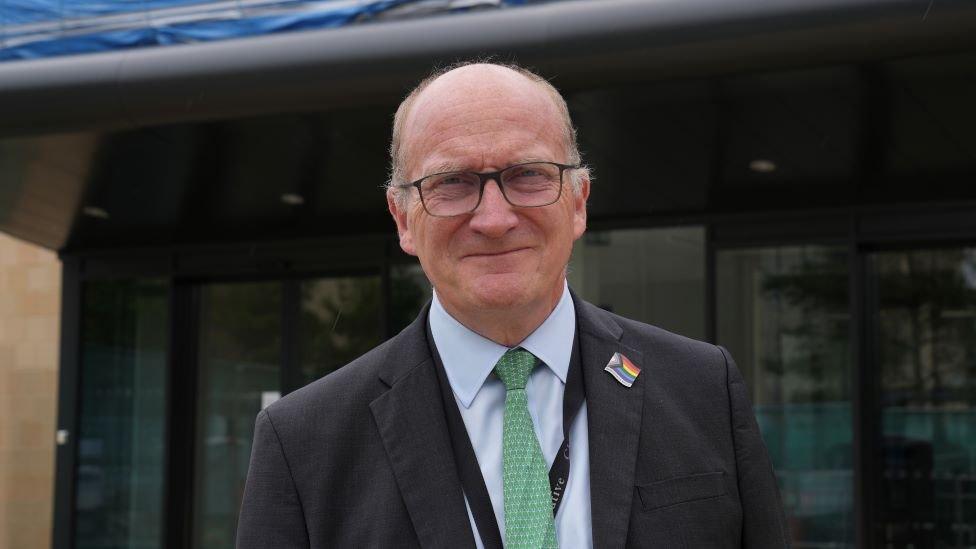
[(652, 275), (409, 292), (340, 320), (239, 361), (926, 335), (119, 496), (783, 313)]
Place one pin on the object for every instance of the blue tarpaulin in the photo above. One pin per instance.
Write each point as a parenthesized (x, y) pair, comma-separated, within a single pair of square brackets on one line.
[(32, 29)]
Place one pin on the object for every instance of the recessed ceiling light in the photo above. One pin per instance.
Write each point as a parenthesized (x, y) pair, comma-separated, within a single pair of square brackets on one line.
[(292, 199), (95, 211), (762, 165)]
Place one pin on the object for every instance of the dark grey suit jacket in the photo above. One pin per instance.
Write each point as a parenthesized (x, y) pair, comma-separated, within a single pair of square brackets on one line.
[(362, 457)]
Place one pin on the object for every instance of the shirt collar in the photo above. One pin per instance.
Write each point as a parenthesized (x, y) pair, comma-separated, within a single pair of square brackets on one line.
[(469, 357)]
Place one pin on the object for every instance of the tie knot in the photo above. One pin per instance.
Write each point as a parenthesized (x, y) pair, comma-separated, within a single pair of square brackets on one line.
[(514, 367)]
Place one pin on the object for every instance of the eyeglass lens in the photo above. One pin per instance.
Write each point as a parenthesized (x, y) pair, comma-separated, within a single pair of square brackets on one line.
[(527, 185)]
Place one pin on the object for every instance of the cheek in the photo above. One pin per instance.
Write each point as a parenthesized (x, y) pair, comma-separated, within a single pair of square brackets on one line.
[(433, 238), (573, 230), (418, 227)]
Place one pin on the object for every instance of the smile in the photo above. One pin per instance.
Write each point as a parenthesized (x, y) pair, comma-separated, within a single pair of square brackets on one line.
[(489, 255)]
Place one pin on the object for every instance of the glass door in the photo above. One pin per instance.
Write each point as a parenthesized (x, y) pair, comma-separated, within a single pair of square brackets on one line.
[(257, 341), (121, 454), (924, 328), (339, 320), (783, 312), (239, 372)]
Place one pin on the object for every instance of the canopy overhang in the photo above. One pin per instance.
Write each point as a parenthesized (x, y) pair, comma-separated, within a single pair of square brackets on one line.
[(575, 41)]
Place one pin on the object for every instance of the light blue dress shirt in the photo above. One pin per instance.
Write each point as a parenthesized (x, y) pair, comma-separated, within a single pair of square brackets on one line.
[(469, 359)]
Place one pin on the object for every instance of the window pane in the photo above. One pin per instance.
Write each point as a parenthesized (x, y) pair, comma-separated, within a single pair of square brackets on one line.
[(119, 497), (240, 351), (927, 350), (652, 275), (339, 320), (409, 292), (783, 313)]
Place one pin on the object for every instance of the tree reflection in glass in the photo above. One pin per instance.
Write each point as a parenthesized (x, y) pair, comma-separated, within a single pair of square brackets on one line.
[(339, 321), (926, 334), (239, 363), (784, 314), (409, 292)]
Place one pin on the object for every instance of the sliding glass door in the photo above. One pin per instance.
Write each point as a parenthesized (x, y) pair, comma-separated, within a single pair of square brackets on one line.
[(257, 341), (120, 471), (339, 319), (172, 376), (239, 372), (783, 312), (241, 346), (924, 325)]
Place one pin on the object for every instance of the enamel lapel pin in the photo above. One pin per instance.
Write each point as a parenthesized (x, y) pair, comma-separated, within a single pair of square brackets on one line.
[(623, 369)]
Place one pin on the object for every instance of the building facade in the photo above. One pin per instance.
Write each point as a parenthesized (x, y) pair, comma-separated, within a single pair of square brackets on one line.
[(792, 182)]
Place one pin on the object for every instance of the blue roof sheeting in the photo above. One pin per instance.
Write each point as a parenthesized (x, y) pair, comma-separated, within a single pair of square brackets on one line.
[(31, 29)]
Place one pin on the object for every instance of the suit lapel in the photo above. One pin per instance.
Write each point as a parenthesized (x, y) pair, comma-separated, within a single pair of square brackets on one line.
[(412, 425), (411, 421), (614, 423)]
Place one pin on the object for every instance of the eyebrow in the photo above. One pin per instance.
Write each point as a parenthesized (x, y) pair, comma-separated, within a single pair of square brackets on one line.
[(455, 167), (445, 167)]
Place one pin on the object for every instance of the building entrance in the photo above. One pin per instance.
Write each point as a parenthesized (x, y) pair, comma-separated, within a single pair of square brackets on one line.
[(860, 358), (153, 422)]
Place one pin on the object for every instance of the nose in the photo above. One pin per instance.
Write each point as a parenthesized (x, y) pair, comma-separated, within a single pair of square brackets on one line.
[(494, 216)]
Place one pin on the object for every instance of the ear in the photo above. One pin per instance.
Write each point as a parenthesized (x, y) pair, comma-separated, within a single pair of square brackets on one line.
[(579, 206), (400, 218)]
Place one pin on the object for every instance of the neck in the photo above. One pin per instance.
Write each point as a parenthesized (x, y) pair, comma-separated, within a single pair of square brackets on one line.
[(510, 326)]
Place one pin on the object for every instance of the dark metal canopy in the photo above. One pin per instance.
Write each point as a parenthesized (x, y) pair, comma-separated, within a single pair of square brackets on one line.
[(201, 143), (577, 41)]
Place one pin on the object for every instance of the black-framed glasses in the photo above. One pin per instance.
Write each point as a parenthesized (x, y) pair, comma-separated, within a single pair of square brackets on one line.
[(526, 185)]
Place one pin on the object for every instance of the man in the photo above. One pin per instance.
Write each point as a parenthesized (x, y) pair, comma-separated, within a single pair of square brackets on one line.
[(509, 400)]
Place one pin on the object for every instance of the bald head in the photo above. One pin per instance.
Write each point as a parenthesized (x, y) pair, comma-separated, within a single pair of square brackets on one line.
[(463, 89)]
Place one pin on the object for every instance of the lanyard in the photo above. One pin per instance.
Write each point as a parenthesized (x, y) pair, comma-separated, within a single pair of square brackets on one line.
[(572, 402), (469, 472)]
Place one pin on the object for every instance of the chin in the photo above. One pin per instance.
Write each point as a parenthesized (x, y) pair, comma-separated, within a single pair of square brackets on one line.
[(502, 291)]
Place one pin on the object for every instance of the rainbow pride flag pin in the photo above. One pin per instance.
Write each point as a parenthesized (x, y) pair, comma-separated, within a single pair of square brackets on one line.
[(623, 369)]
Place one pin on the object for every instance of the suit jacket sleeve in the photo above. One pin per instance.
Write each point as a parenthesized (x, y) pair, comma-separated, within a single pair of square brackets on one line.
[(763, 521), (271, 511)]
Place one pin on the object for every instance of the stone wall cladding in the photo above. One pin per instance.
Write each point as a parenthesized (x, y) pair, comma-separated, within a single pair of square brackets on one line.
[(30, 310)]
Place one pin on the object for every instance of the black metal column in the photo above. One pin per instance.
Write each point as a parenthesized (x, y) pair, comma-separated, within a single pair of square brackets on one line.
[(290, 375), (181, 414), (69, 383), (865, 399)]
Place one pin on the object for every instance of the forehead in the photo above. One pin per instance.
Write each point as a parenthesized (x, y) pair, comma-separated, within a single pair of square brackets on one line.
[(480, 116)]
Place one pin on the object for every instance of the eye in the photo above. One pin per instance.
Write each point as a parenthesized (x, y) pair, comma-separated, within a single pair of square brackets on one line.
[(532, 174), (451, 179), (450, 186), (528, 171)]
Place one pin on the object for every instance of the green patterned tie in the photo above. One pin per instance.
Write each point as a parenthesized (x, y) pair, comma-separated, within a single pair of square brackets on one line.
[(528, 501)]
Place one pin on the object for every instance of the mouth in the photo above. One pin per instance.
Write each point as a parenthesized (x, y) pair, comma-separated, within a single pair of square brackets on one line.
[(491, 255)]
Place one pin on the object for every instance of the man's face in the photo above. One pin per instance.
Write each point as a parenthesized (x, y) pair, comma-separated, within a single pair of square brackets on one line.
[(499, 257)]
